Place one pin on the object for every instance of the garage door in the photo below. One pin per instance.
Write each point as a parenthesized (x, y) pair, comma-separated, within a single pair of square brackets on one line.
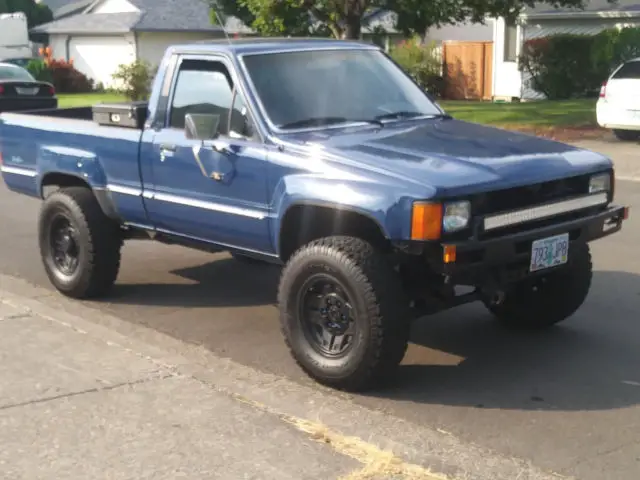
[(99, 57)]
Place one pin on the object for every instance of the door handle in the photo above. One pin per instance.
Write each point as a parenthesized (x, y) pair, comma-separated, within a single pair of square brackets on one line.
[(166, 149)]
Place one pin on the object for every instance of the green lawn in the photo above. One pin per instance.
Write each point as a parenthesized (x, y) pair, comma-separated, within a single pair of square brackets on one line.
[(571, 113), (87, 99), (542, 114)]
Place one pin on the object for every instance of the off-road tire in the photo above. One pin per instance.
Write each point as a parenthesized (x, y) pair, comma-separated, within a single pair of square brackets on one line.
[(627, 135), (99, 243), (562, 294), (381, 306)]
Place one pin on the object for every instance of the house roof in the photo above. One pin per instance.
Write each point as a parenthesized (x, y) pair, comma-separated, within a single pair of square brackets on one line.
[(153, 15), (592, 8), (99, 23), (71, 7)]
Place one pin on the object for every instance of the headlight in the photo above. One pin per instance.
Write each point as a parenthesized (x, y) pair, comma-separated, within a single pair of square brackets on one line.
[(456, 216), (600, 183)]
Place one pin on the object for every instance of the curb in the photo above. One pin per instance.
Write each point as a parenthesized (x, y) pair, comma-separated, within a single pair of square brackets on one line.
[(416, 447)]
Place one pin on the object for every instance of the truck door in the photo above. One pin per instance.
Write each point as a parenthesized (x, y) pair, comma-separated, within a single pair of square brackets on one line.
[(219, 196)]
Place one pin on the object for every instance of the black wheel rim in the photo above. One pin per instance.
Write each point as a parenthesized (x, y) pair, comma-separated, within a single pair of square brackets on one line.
[(63, 241), (327, 316)]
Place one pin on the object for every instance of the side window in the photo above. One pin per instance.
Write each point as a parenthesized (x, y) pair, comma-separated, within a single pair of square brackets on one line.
[(202, 87), (239, 123)]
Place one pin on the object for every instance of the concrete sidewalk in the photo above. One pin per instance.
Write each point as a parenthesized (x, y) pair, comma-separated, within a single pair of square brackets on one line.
[(75, 407), (86, 395)]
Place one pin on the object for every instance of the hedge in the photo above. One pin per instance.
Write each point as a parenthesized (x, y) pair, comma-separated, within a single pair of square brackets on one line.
[(567, 66)]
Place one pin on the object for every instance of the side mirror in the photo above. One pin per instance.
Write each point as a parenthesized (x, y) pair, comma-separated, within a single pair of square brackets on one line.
[(201, 126)]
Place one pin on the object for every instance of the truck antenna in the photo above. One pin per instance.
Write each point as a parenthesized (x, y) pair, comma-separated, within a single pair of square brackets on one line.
[(220, 19)]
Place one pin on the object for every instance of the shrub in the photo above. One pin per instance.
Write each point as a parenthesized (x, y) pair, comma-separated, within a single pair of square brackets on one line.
[(565, 66), (560, 65), (62, 73), (39, 70), (135, 79), (613, 47), (67, 79), (422, 62)]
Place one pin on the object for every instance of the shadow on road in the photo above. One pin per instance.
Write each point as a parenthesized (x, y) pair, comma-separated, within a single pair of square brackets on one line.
[(591, 362), (222, 283)]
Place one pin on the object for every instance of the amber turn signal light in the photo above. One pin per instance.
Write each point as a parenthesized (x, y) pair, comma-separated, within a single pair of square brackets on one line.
[(426, 221), (449, 253)]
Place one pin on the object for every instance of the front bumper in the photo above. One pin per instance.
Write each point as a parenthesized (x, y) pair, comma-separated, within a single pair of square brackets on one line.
[(506, 259)]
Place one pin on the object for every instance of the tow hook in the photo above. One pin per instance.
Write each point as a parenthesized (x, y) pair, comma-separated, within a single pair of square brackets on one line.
[(497, 298), (494, 296)]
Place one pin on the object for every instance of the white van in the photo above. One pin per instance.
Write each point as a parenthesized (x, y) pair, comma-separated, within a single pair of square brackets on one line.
[(618, 107)]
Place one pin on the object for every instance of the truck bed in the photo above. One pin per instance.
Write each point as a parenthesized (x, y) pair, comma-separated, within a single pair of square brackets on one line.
[(66, 141)]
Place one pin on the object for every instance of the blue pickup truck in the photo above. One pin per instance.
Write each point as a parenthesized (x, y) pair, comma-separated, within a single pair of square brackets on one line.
[(325, 157)]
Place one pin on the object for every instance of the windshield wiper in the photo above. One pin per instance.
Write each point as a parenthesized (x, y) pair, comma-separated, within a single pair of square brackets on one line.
[(320, 121), (400, 114)]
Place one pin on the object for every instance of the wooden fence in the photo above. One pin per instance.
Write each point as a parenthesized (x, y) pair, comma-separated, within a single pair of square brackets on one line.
[(468, 68)]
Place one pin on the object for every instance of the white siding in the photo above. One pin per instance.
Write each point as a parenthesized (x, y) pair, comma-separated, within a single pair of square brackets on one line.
[(152, 45), (99, 57), (114, 6), (58, 44), (468, 32), (545, 28), (506, 76)]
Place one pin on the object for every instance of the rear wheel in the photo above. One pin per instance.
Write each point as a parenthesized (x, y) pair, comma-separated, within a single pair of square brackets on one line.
[(544, 301), (343, 312), (627, 135), (79, 245)]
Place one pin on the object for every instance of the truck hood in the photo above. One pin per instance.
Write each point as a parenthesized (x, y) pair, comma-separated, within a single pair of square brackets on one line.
[(453, 157)]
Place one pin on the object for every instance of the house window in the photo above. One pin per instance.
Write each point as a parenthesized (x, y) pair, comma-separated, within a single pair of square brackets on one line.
[(510, 42)]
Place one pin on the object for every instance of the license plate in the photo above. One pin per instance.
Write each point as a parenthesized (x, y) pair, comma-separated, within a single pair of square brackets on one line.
[(26, 91), (549, 252)]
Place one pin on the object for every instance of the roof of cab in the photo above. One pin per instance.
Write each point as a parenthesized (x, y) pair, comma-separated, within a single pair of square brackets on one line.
[(249, 46)]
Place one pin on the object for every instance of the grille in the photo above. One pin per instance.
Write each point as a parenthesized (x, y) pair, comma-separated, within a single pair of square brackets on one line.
[(530, 195)]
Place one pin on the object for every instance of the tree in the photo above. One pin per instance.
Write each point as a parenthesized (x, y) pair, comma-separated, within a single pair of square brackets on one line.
[(344, 18), (37, 13)]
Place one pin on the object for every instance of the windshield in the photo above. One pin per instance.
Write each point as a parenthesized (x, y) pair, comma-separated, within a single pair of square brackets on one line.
[(9, 72), (335, 86)]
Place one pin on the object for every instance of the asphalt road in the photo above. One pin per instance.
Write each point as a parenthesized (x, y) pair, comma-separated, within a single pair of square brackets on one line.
[(567, 399)]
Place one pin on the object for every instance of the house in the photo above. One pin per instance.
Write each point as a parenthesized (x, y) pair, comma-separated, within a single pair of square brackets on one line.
[(545, 20), (500, 73), (379, 27), (108, 33)]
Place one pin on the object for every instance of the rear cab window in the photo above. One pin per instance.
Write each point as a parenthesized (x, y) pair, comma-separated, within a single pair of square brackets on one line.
[(629, 71)]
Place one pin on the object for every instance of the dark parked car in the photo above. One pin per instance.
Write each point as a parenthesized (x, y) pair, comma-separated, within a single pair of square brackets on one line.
[(19, 91), (20, 61)]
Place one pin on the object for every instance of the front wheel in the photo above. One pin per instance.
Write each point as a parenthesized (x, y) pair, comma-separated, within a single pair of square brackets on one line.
[(543, 301), (79, 245), (343, 313)]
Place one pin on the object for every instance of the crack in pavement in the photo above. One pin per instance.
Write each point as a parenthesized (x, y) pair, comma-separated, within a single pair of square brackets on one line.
[(83, 392)]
